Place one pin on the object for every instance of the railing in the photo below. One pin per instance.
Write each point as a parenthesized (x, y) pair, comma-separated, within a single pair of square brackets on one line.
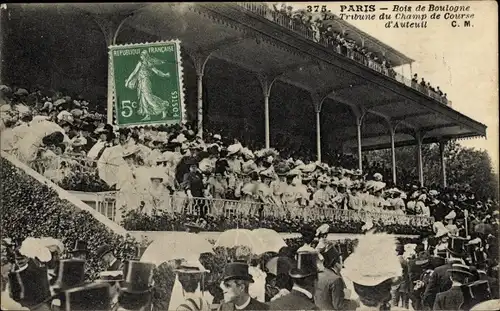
[(241, 209), (298, 27), (105, 201)]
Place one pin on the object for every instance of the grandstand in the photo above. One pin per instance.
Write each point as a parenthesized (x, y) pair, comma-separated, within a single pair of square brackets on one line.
[(351, 105)]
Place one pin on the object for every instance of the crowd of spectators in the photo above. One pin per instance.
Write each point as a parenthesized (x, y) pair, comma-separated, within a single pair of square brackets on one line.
[(321, 30), (169, 171)]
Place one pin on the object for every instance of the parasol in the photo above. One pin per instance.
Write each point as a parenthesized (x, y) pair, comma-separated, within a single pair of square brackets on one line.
[(176, 245), (271, 240), (28, 145), (280, 265), (241, 237), (109, 163)]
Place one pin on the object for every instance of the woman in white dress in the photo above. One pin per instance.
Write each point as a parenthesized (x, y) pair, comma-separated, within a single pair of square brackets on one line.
[(128, 196)]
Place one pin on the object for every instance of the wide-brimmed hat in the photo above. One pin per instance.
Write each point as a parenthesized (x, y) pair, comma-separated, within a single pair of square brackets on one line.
[(282, 169), (475, 293), (460, 268), (193, 266), (451, 215), (80, 247), (90, 297), (138, 277), (456, 246), (71, 273), (422, 259), (29, 285), (111, 277), (306, 265), (237, 271), (103, 250), (266, 173), (130, 151), (378, 186)]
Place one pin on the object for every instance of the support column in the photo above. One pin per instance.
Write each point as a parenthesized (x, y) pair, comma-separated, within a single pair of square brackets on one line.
[(420, 159), (393, 154), (266, 83), (317, 101), (359, 122), (318, 134), (200, 60), (442, 145), (110, 27)]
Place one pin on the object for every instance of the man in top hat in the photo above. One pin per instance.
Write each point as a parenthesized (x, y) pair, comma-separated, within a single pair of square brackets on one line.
[(135, 289), (453, 298), (105, 253), (29, 286), (88, 297), (440, 280), (235, 287), (80, 250), (331, 290), (305, 280), (479, 260)]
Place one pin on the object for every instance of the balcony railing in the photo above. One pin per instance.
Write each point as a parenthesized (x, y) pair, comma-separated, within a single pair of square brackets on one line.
[(76, 170), (298, 27)]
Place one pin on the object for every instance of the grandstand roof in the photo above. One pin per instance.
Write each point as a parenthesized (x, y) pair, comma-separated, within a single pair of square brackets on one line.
[(230, 33)]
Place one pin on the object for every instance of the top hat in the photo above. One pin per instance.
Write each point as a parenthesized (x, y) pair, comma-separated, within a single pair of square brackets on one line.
[(71, 273), (331, 257), (237, 271), (475, 292), (306, 265), (95, 296), (22, 281), (478, 257), (103, 250), (456, 246), (80, 247), (138, 277)]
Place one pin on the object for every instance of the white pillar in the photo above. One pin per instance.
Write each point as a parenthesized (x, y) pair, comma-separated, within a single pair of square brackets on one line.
[(393, 155), (318, 134), (360, 156), (266, 121), (199, 79), (266, 83), (443, 163), (420, 160), (200, 60)]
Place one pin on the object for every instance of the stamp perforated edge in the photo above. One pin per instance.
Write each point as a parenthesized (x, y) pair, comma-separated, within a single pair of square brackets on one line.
[(180, 70)]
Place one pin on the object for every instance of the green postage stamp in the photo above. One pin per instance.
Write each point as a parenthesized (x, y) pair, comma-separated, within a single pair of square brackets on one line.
[(147, 83)]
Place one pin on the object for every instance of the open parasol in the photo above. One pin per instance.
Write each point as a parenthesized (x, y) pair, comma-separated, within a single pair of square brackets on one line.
[(109, 163), (176, 245), (271, 240), (241, 237)]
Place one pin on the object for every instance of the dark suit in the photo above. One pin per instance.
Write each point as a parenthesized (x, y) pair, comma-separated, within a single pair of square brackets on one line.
[(329, 293), (492, 282), (253, 305), (451, 299), (439, 282), (293, 301), (116, 266)]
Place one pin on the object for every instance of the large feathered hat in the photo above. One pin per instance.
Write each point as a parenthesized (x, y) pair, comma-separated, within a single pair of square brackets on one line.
[(373, 260)]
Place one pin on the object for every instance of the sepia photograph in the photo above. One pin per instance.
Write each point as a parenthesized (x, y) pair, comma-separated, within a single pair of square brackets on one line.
[(204, 156)]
